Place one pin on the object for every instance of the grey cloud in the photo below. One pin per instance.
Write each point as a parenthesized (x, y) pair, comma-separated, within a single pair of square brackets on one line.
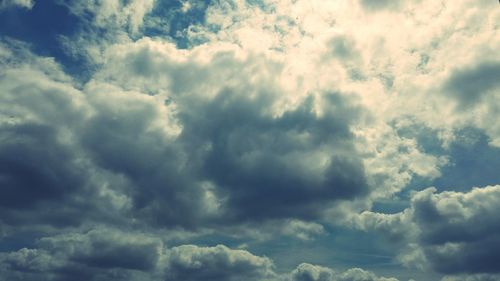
[(166, 165), (460, 231), (66, 155), (216, 155), (34, 167), (344, 48), (447, 216), (454, 232), (470, 85), (232, 139), (472, 277), (121, 138), (74, 158), (254, 157), (106, 248), (474, 90), (43, 177), (41, 181), (376, 5), (111, 254), (100, 254)]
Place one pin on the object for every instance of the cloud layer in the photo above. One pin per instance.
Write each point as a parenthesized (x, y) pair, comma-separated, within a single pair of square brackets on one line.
[(193, 140)]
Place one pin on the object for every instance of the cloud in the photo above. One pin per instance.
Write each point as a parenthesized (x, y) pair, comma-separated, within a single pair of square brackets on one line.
[(99, 254), (459, 229), (28, 4), (474, 89), (473, 277), (452, 232), (40, 167), (189, 262), (469, 85), (309, 272), (111, 144), (184, 121), (245, 147), (374, 5), (277, 158), (110, 254)]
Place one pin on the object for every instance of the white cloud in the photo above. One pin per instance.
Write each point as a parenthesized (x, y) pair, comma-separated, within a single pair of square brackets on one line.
[(309, 272)]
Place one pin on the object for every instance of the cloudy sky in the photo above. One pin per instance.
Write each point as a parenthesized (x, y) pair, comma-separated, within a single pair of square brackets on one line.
[(249, 140)]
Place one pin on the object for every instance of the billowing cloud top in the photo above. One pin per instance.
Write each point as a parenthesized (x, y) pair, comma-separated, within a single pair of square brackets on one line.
[(249, 140)]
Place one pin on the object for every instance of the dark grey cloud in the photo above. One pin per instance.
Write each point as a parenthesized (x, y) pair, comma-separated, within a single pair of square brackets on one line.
[(453, 232), (460, 231), (41, 183), (478, 256), (67, 157), (34, 166), (120, 140), (43, 178), (254, 157), (107, 253), (100, 254), (471, 84), (230, 139)]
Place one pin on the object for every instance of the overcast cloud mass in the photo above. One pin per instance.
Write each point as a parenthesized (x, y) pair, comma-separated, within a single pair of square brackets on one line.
[(238, 140)]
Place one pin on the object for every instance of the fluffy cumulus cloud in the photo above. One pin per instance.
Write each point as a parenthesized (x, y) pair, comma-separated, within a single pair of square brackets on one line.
[(109, 143), (189, 262), (223, 140), (309, 272), (99, 254), (455, 233)]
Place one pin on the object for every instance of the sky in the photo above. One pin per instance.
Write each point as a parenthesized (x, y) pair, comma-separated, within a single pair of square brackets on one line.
[(249, 140)]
